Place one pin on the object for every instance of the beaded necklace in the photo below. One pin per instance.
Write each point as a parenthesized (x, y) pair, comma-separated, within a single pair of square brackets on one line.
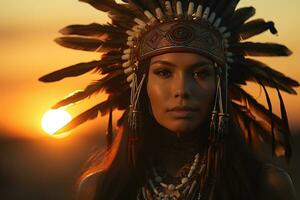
[(183, 188)]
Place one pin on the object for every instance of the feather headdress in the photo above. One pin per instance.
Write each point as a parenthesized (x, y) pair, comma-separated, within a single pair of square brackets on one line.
[(130, 18)]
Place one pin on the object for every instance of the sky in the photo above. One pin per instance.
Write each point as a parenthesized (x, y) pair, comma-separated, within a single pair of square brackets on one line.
[(27, 51)]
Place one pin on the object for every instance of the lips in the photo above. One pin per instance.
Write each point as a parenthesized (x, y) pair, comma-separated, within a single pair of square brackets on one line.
[(183, 111)]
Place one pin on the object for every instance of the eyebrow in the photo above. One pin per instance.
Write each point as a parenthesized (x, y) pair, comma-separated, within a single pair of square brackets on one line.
[(197, 64)]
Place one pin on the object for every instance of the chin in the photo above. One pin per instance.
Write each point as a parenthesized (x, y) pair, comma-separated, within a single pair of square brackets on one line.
[(182, 127)]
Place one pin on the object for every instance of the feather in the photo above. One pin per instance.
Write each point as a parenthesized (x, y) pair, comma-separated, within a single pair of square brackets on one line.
[(221, 5), (71, 71), (93, 29), (90, 114), (252, 70), (109, 132), (271, 116), (245, 120), (256, 27), (229, 9), (257, 110), (260, 49), (239, 17), (90, 90), (111, 6), (286, 131), (88, 44)]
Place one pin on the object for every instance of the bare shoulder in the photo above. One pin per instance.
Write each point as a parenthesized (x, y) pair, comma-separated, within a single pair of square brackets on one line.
[(275, 184), (87, 187)]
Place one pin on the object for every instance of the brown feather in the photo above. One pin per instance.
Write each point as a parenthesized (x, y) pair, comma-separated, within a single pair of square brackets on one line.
[(88, 44), (93, 29), (71, 71), (260, 49), (256, 27), (239, 17), (90, 90)]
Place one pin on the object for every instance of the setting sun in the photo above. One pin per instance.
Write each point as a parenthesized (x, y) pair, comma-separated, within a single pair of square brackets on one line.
[(55, 119)]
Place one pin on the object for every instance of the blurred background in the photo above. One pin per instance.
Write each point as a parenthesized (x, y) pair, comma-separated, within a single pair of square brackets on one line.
[(35, 165)]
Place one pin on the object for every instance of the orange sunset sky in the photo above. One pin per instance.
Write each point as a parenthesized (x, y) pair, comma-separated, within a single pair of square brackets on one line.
[(28, 51)]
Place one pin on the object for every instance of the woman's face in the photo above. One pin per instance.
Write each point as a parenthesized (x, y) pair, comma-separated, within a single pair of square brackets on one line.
[(181, 88)]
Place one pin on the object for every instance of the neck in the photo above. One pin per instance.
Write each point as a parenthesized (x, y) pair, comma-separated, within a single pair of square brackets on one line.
[(174, 151)]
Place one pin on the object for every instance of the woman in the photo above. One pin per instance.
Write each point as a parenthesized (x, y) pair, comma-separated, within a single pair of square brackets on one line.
[(189, 130)]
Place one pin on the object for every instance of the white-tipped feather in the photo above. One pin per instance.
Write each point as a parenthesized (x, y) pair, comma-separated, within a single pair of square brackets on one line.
[(129, 32), (127, 51), (217, 22), (179, 8), (128, 70), (159, 14), (150, 16), (129, 78), (199, 11), (229, 60), (129, 43), (226, 35), (206, 13), (126, 64), (169, 8), (140, 22), (212, 17), (229, 54), (130, 38), (191, 9), (125, 56), (222, 29)]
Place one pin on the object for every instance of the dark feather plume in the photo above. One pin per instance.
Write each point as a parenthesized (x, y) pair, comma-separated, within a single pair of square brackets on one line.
[(239, 17), (253, 70), (256, 27), (220, 6), (88, 44), (93, 29), (92, 113), (110, 6), (229, 9), (260, 49), (90, 90), (71, 71)]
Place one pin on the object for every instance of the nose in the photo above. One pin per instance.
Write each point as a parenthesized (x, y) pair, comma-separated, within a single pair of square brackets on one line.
[(182, 86)]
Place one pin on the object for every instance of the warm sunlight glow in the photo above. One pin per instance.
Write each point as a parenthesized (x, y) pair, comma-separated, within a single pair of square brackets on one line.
[(55, 119)]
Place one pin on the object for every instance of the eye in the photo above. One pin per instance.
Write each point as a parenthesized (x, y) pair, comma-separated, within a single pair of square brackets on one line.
[(202, 74), (164, 73)]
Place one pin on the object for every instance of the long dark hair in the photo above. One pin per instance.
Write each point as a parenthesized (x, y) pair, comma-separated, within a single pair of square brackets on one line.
[(119, 180)]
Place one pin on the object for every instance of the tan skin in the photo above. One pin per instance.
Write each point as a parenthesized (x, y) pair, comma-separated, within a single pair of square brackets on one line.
[(184, 79)]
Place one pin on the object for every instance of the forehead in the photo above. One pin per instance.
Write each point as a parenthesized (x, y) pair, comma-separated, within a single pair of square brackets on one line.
[(180, 59)]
